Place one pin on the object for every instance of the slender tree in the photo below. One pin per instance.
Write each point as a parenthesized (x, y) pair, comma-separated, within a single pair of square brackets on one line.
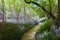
[(3, 12), (58, 14)]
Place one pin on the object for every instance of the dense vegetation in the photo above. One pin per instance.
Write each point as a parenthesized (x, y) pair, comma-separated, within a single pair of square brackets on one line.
[(18, 16), (12, 31)]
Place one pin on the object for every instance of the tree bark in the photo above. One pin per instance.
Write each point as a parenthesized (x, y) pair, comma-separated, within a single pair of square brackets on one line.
[(49, 13), (56, 21), (3, 13), (58, 14)]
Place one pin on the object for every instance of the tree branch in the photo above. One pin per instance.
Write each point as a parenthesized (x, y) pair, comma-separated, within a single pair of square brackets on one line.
[(50, 14), (50, 6)]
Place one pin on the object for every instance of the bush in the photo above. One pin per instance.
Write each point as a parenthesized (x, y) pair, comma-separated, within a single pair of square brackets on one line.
[(46, 33), (27, 26), (45, 27), (10, 32)]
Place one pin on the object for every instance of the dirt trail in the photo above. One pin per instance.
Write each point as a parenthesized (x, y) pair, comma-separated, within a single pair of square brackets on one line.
[(30, 35)]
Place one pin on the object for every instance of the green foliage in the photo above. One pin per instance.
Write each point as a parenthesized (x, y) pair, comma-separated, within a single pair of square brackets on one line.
[(44, 30), (10, 32), (47, 36), (45, 26), (27, 26), (57, 37), (28, 1)]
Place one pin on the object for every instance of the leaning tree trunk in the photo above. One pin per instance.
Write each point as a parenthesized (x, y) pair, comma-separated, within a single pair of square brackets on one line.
[(58, 15)]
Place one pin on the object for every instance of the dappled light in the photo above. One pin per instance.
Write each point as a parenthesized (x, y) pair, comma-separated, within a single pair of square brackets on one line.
[(29, 20)]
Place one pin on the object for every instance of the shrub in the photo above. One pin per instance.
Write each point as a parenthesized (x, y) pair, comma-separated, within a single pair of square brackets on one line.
[(45, 27), (45, 32), (10, 31)]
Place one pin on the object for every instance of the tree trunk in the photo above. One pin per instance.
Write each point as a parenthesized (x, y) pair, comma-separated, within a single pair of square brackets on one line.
[(3, 13), (58, 15), (17, 17)]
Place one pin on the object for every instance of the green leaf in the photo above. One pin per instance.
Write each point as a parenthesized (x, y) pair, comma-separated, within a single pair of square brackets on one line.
[(45, 26), (28, 0)]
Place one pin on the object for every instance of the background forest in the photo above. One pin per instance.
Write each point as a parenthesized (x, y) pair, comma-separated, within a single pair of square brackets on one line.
[(29, 20)]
